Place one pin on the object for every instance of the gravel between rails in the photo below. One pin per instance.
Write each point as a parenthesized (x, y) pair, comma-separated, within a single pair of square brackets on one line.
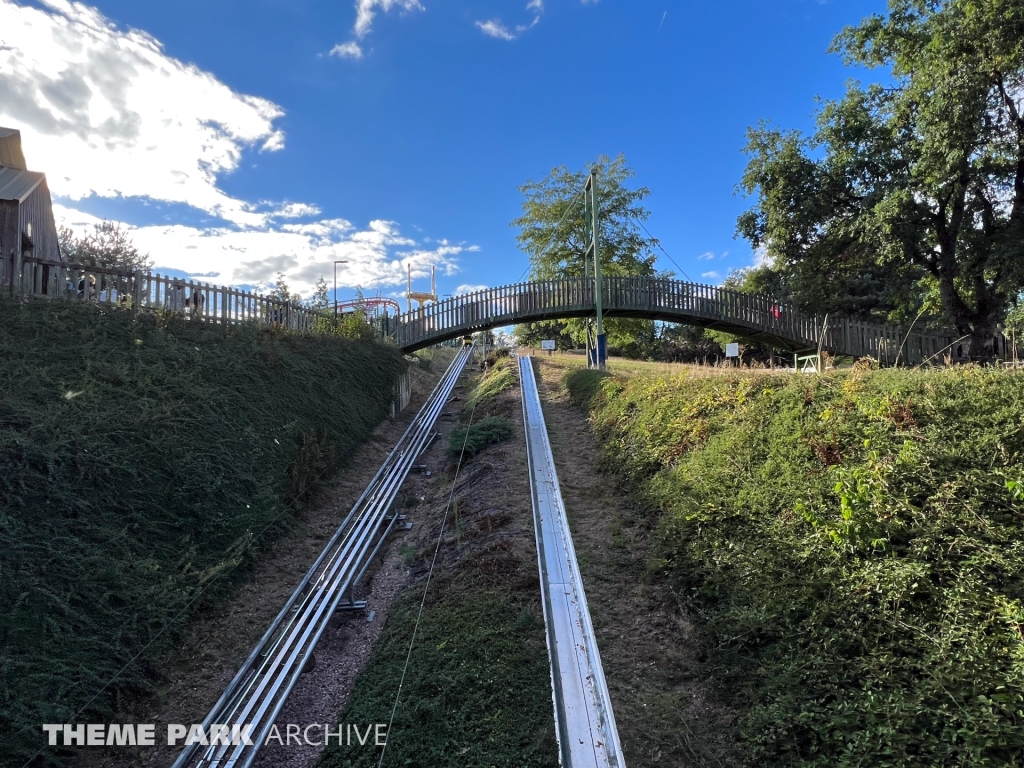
[(345, 648)]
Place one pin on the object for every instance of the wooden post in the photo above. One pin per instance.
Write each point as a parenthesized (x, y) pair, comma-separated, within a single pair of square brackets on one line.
[(137, 292)]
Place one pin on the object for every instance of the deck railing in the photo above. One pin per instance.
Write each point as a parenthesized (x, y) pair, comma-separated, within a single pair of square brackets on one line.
[(753, 316)]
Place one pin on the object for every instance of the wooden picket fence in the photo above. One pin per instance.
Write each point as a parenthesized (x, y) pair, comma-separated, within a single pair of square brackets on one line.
[(147, 291)]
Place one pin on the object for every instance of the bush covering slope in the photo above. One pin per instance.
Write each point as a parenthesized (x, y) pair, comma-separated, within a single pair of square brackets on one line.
[(140, 458), (853, 546)]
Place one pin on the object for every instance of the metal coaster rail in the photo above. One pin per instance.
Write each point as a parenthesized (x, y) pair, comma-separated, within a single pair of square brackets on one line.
[(259, 690), (584, 721)]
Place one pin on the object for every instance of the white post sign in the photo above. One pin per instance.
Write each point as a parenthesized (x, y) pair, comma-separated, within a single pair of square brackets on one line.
[(548, 344), (732, 350)]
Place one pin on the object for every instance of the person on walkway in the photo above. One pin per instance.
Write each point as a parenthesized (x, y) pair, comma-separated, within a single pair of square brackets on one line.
[(92, 287), (197, 301), (176, 297)]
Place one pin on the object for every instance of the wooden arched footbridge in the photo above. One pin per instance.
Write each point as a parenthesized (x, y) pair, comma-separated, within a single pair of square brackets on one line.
[(754, 317)]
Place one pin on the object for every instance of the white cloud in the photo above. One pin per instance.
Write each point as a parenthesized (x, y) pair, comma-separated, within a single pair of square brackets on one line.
[(293, 210), (377, 255), (761, 257), (365, 12), (349, 50), (495, 28), (708, 256), (464, 289), (108, 112), (710, 275)]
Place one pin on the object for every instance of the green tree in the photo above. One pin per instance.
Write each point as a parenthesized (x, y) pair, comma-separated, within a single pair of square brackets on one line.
[(108, 245), (1015, 323), (762, 279), (910, 194), (281, 291), (354, 326), (552, 232), (321, 296), (531, 334)]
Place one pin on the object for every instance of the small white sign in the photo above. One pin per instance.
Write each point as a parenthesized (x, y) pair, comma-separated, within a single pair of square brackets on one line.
[(732, 350), (547, 344)]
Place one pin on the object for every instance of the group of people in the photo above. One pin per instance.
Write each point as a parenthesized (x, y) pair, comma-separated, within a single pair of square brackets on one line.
[(179, 303), (107, 295)]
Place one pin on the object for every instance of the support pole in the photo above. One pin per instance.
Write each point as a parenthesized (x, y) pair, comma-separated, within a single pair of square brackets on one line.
[(600, 351)]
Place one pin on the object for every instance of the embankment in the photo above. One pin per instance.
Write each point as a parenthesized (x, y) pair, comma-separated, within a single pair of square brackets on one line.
[(851, 547), (143, 461)]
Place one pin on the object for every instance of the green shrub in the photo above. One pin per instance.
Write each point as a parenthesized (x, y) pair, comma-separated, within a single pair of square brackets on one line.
[(474, 438), (495, 356), (583, 384), (495, 381), (138, 461), (854, 546)]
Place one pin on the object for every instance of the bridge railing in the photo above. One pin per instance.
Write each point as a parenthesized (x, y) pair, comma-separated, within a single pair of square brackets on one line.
[(764, 316), (751, 315)]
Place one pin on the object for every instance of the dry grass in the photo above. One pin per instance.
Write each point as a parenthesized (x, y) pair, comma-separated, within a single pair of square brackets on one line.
[(621, 366)]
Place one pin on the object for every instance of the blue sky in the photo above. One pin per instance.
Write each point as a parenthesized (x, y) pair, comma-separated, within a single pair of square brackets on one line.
[(235, 143)]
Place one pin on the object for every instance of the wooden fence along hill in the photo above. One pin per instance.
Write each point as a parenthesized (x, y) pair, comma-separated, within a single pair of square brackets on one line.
[(148, 291)]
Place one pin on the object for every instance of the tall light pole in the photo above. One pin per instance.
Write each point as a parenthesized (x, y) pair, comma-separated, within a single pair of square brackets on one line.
[(591, 223), (340, 261)]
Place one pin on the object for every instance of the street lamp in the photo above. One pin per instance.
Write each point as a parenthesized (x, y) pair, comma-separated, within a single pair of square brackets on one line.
[(340, 261)]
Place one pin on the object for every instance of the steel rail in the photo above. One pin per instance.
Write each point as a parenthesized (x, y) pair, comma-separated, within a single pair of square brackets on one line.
[(309, 620), (261, 686), (584, 721)]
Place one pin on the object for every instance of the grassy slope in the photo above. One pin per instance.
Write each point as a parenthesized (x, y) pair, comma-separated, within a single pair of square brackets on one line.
[(139, 460), (853, 547)]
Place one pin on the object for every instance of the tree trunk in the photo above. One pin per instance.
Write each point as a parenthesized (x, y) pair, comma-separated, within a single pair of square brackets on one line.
[(982, 342), (978, 325)]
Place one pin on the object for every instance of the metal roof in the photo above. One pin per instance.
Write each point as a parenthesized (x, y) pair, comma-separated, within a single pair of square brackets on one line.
[(10, 149), (16, 184)]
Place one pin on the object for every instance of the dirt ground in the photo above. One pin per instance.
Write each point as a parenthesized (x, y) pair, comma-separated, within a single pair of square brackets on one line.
[(221, 635), (665, 713)]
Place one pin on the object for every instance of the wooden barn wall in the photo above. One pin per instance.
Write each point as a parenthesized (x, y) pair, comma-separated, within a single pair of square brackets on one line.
[(9, 234), (38, 209)]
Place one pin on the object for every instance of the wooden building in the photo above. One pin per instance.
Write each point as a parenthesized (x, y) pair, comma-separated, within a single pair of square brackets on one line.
[(27, 229)]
